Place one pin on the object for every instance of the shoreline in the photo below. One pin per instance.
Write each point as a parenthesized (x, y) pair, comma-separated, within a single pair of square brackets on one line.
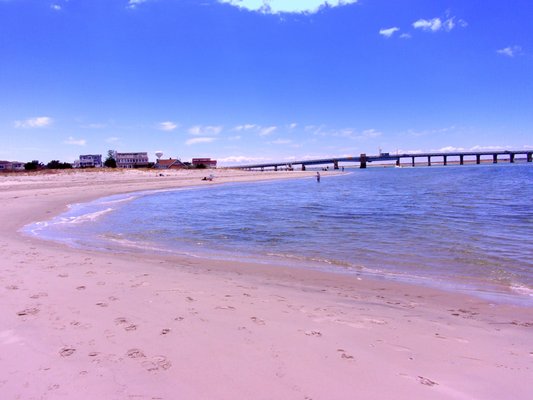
[(115, 326)]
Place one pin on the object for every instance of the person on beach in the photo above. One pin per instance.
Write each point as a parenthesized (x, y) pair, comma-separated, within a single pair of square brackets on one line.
[(318, 176)]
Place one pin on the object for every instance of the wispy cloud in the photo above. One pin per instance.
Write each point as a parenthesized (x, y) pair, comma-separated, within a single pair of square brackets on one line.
[(451, 149), (269, 130), (112, 139), (287, 6), (199, 140), (200, 130), (245, 127), (281, 141), (241, 159), (167, 126), (135, 3), (388, 32), (371, 133), (56, 7), (510, 51), (75, 142), (37, 122), (93, 126), (437, 24)]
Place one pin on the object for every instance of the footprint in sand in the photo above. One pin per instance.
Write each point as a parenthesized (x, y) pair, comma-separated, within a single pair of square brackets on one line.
[(426, 381), (102, 304), (66, 351), (156, 363), (81, 288), (12, 287), (258, 321), (123, 321), (313, 333), (38, 295), (28, 311), (225, 308), (135, 353), (345, 355), (165, 331)]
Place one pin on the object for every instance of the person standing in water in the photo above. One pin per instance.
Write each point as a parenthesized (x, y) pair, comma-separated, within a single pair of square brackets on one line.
[(318, 176)]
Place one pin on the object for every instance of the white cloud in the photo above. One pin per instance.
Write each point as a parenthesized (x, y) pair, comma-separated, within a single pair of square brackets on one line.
[(200, 130), (510, 51), (437, 24), (112, 139), (281, 141), (55, 7), (167, 126), (135, 3), (371, 133), (287, 6), (405, 36), (200, 140), (93, 126), (241, 159), (75, 142), (37, 122), (433, 25), (267, 131), (293, 125), (245, 127), (388, 32), (450, 149)]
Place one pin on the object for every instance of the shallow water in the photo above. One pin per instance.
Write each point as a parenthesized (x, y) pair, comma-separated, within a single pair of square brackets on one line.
[(458, 228)]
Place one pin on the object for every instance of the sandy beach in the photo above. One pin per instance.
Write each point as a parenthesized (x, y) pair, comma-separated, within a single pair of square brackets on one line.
[(80, 324)]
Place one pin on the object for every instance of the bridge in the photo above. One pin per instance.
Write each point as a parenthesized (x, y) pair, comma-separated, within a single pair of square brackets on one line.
[(428, 159)]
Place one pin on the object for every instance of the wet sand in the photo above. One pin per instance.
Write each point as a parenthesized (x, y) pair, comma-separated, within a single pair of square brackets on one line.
[(84, 324)]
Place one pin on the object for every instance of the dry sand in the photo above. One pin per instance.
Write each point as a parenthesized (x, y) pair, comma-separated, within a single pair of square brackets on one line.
[(79, 324)]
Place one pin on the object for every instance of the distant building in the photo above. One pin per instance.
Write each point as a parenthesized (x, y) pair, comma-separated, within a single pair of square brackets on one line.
[(131, 160), (11, 166), (207, 162), (169, 164), (90, 161)]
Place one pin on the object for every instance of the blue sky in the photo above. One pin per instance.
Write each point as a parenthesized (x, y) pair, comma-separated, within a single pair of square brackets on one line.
[(247, 80)]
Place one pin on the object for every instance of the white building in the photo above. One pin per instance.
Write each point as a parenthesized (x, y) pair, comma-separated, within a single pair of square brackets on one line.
[(11, 166), (90, 161), (131, 160)]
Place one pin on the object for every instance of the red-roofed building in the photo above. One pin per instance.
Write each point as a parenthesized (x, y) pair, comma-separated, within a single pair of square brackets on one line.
[(206, 162), (169, 164)]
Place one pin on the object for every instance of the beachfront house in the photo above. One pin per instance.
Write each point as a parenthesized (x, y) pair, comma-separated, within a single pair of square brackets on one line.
[(90, 161), (131, 160), (11, 166), (204, 162), (171, 163)]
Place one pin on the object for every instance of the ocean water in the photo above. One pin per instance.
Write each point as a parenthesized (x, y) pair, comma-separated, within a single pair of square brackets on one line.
[(466, 228)]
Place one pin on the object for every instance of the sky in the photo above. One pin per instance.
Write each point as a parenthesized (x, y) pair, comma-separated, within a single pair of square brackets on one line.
[(247, 81)]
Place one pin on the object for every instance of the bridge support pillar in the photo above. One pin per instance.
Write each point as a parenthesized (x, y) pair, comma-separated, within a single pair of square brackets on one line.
[(529, 157), (478, 159), (511, 158), (397, 162), (429, 161), (445, 160), (363, 161), (335, 164), (461, 159), (275, 167), (262, 169), (412, 161), (495, 158), (303, 167)]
